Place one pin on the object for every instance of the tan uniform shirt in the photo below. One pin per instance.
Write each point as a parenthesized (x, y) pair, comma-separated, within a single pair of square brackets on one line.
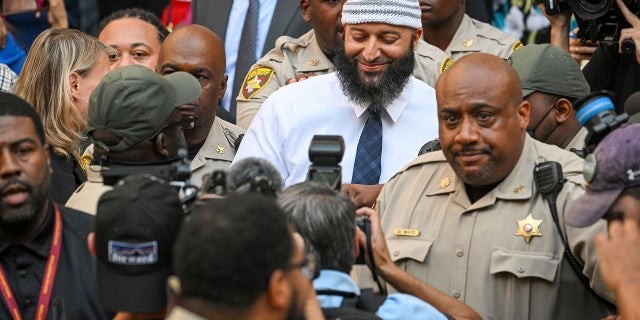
[(473, 252), (476, 36), (303, 55), (578, 140), (217, 152), (180, 313), (86, 197)]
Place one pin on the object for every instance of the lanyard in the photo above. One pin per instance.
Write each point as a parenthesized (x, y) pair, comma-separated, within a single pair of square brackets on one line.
[(47, 281)]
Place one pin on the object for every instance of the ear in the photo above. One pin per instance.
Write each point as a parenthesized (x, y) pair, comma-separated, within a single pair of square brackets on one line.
[(564, 110), (279, 291), (416, 36), (161, 145), (523, 111), (223, 86), (45, 148), (305, 8), (91, 243), (74, 81)]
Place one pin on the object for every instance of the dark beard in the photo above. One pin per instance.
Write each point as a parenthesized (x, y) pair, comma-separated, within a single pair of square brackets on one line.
[(296, 311), (377, 94), (23, 217)]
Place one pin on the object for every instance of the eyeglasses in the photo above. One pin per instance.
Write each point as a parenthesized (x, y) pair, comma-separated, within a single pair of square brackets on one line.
[(186, 123), (309, 267)]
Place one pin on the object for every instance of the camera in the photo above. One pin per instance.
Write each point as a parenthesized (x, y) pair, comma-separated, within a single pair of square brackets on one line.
[(177, 172), (598, 20), (325, 154), (596, 112)]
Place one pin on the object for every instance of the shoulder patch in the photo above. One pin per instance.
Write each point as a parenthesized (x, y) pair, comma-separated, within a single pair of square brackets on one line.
[(446, 64), (516, 45), (255, 80)]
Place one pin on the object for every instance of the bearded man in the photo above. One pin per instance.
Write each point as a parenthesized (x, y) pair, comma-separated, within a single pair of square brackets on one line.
[(382, 112)]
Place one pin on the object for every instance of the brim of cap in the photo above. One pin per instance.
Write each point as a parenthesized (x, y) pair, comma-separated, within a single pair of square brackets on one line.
[(526, 92), (187, 88), (591, 207), (142, 293)]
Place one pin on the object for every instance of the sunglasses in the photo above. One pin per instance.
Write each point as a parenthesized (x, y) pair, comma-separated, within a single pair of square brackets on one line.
[(186, 123)]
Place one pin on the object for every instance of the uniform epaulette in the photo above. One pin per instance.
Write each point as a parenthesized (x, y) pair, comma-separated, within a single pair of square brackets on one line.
[(488, 31), (431, 157), (286, 43)]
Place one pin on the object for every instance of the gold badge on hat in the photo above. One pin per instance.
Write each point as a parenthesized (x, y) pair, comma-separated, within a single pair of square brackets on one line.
[(314, 62), (468, 43), (445, 182), (220, 149), (528, 228)]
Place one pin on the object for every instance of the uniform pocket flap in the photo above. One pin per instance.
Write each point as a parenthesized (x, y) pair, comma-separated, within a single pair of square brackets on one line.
[(405, 248), (524, 264)]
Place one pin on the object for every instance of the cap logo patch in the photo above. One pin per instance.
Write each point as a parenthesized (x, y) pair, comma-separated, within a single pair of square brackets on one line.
[(255, 80), (128, 253), (632, 175)]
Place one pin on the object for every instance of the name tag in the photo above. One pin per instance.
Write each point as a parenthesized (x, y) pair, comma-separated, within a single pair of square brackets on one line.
[(406, 232)]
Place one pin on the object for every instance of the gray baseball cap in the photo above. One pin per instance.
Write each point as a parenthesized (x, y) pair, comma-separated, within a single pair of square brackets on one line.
[(133, 102), (549, 69)]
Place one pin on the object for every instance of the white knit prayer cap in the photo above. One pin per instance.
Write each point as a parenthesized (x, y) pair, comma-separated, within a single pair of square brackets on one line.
[(396, 12)]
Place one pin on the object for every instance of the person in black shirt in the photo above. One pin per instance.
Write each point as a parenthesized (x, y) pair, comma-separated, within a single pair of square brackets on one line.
[(44, 257)]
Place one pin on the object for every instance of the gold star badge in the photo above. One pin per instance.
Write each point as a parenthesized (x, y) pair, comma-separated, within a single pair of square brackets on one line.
[(528, 228), (444, 183), (468, 43), (220, 149), (314, 62)]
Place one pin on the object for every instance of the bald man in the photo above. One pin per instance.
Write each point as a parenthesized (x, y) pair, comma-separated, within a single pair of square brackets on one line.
[(197, 50), (469, 221)]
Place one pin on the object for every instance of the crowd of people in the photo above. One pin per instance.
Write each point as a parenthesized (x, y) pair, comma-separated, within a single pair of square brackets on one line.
[(161, 171)]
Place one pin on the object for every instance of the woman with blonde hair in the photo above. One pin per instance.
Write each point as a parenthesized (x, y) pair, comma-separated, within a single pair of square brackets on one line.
[(60, 72)]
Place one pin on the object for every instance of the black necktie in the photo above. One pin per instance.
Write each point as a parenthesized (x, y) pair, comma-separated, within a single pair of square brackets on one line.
[(367, 166), (246, 51)]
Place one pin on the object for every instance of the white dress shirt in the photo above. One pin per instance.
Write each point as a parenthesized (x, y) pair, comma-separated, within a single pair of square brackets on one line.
[(285, 125)]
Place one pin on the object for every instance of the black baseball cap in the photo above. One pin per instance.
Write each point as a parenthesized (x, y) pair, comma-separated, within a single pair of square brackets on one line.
[(135, 228)]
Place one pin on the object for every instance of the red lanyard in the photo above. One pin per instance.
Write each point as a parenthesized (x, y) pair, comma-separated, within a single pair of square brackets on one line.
[(47, 281)]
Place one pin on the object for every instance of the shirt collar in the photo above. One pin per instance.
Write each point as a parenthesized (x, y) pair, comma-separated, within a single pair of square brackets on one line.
[(395, 109), (518, 185), (335, 280), (40, 243), (313, 59), (465, 38)]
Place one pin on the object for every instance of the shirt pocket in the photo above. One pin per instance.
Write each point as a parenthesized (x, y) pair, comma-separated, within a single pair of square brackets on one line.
[(409, 248), (523, 264)]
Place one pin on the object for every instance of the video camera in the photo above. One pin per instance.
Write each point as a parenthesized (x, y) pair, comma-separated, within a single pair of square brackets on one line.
[(596, 112), (325, 154), (598, 20), (176, 173)]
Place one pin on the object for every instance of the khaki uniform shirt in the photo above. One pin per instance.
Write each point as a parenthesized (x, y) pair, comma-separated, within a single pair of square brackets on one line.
[(86, 197), (578, 140), (217, 152), (303, 55), (477, 252), (180, 313), (476, 36)]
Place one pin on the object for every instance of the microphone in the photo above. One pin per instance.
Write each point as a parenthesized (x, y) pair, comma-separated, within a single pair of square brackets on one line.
[(632, 107), (254, 175)]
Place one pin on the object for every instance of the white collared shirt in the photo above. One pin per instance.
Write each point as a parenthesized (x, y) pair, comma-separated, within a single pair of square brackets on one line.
[(285, 125)]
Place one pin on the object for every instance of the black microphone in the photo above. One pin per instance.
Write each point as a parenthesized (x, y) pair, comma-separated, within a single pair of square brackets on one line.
[(632, 107), (254, 175)]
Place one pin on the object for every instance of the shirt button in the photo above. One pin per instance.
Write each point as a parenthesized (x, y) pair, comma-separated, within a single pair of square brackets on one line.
[(459, 253), (396, 253), (520, 269), (23, 274), (456, 294), (28, 302)]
